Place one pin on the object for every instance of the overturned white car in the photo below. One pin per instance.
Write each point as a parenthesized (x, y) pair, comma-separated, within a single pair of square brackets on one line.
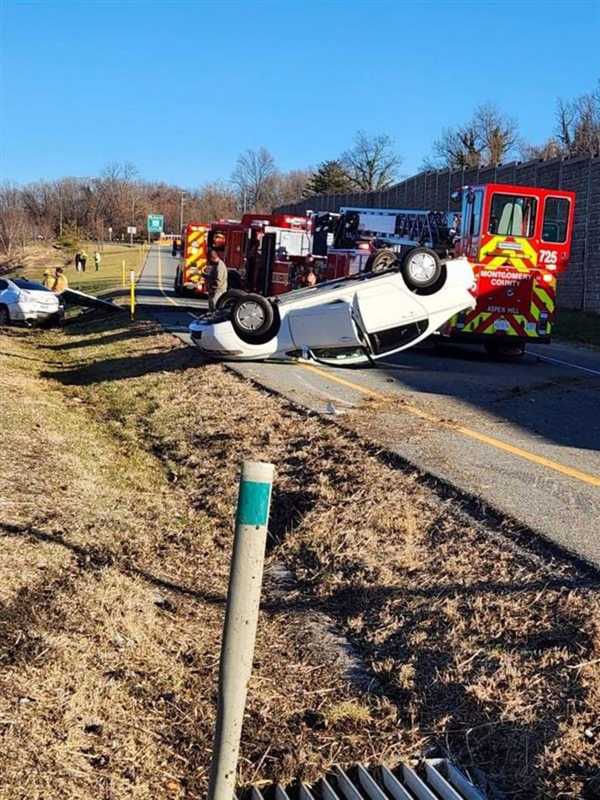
[(349, 321)]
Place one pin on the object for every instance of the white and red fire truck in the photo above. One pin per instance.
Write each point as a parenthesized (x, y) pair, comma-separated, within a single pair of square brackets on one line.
[(265, 253), (517, 239)]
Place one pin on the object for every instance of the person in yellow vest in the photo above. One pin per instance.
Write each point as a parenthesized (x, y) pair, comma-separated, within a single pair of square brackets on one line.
[(60, 283), (97, 260), (48, 281), (82, 260)]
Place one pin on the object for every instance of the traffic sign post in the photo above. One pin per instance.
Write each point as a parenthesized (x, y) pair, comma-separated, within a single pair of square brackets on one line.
[(156, 223), (131, 230)]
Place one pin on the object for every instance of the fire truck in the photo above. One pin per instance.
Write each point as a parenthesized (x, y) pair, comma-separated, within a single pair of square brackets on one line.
[(516, 238), (264, 252), (189, 276)]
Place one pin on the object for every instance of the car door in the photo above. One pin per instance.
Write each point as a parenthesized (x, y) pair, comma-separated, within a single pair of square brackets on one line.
[(385, 304), (324, 326)]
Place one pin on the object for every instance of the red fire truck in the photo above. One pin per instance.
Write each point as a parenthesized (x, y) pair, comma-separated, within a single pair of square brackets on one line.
[(517, 238), (264, 252)]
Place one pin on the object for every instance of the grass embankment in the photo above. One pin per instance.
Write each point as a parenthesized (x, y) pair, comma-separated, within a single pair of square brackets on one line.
[(578, 326), (113, 575), (40, 257)]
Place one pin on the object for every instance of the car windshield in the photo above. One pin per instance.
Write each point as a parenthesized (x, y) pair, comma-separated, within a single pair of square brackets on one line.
[(30, 286)]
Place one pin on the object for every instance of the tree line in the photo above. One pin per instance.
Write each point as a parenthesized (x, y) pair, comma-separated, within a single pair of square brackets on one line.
[(104, 207)]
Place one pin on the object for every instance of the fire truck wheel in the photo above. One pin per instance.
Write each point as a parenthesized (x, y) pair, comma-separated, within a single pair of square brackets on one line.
[(228, 299), (505, 350), (381, 260), (253, 318), (421, 268)]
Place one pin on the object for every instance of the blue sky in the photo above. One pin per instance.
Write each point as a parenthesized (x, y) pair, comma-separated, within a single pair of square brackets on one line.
[(181, 88)]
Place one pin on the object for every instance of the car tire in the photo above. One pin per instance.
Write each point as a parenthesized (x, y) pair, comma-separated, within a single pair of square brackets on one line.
[(381, 260), (505, 351), (421, 268), (253, 318), (4, 317), (228, 299)]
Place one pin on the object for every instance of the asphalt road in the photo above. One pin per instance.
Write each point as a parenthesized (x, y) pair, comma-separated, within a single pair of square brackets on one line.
[(525, 437)]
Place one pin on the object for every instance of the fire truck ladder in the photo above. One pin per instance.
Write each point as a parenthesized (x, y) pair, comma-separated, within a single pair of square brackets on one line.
[(399, 227)]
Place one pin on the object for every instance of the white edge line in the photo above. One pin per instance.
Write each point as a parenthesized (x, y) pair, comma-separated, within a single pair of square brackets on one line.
[(568, 364)]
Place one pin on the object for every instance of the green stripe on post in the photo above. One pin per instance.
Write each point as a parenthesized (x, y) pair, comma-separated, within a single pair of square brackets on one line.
[(253, 503)]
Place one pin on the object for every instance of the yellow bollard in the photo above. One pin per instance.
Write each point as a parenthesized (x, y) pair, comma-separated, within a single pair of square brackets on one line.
[(132, 297), (123, 272)]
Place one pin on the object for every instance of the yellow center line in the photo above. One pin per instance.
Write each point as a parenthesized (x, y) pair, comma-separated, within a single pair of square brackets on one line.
[(570, 472)]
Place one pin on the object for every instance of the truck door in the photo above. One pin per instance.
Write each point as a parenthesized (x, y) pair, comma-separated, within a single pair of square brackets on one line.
[(470, 226), (265, 263)]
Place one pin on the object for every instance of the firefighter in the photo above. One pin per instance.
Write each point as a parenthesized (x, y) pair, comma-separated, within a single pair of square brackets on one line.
[(60, 283), (216, 279), (97, 260), (83, 260), (48, 281)]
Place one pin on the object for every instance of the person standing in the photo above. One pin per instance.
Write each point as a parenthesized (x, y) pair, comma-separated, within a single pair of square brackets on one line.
[(97, 260), (60, 283), (78, 262), (83, 259), (216, 279), (48, 281)]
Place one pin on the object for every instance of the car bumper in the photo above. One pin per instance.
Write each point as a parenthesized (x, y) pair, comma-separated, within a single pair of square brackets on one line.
[(34, 314), (219, 340)]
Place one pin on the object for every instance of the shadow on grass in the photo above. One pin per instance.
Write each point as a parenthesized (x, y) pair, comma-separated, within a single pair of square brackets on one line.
[(125, 367), (94, 558), (108, 338)]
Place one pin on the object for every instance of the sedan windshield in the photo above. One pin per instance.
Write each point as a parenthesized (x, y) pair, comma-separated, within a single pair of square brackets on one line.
[(30, 286)]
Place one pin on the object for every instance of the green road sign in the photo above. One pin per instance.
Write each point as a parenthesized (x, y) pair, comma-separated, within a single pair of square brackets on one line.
[(155, 223)]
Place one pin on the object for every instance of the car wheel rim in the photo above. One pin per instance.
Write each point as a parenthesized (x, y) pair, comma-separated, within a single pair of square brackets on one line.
[(250, 316), (422, 267)]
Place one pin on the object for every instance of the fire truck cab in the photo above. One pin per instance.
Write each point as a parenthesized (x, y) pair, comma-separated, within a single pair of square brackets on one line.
[(518, 240)]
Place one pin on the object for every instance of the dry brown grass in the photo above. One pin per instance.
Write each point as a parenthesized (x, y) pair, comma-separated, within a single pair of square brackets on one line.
[(112, 605)]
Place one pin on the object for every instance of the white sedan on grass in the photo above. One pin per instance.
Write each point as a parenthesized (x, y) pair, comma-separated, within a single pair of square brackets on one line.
[(26, 301), (353, 320)]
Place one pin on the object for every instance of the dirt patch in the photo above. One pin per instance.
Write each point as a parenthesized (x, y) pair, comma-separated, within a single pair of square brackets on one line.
[(479, 649)]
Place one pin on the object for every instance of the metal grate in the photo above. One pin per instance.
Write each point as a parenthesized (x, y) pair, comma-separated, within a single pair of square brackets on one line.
[(434, 779)]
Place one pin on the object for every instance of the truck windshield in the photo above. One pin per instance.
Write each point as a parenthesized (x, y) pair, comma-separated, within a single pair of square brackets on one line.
[(513, 215)]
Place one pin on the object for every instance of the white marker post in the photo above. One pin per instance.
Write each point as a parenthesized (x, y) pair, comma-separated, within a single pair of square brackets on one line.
[(132, 293), (241, 618)]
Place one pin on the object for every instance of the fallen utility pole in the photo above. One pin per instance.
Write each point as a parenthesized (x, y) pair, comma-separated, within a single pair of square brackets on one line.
[(241, 618)]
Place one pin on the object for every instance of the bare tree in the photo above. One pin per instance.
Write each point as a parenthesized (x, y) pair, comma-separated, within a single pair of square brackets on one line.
[(546, 151), (254, 176), (457, 148), (578, 124), (371, 162), (13, 219), (498, 133), (487, 138), (215, 201)]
